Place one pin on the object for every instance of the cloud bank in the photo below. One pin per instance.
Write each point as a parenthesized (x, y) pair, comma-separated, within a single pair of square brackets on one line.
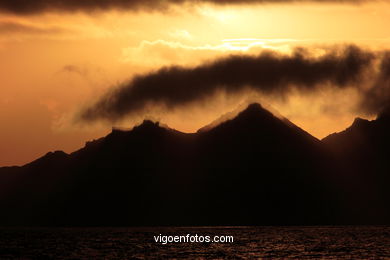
[(38, 6), (376, 98), (269, 73)]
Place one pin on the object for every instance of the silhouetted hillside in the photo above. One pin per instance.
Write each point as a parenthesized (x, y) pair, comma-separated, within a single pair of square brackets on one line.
[(366, 142), (364, 149), (255, 169)]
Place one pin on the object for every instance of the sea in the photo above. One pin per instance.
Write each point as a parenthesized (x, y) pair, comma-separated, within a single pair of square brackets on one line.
[(325, 242)]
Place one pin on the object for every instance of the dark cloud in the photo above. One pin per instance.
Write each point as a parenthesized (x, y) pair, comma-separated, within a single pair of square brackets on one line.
[(37, 6), (269, 73), (376, 98)]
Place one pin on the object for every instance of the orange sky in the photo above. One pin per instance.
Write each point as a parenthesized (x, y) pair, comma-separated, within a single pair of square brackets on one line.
[(54, 64)]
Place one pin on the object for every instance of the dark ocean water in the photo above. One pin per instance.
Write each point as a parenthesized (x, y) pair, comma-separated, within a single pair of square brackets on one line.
[(249, 242)]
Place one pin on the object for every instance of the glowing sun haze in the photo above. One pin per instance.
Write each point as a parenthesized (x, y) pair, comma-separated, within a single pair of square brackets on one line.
[(57, 61)]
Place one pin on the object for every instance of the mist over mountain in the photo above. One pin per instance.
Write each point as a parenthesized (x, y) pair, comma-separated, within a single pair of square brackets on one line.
[(254, 169)]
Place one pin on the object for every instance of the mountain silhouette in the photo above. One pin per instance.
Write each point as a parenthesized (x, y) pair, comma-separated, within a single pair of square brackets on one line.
[(254, 169), (364, 149)]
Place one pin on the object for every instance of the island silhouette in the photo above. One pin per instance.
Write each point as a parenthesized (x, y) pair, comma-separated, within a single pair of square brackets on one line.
[(254, 169)]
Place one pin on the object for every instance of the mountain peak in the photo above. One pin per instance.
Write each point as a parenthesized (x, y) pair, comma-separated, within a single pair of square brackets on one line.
[(254, 112), (359, 122), (146, 124), (253, 109), (249, 111), (50, 157), (257, 120)]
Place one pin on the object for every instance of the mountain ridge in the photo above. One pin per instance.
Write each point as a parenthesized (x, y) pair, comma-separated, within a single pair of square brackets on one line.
[(148, 125), (214, 177)]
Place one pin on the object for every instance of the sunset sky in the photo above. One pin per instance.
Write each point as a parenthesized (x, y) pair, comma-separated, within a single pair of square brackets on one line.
[(63, 65)]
